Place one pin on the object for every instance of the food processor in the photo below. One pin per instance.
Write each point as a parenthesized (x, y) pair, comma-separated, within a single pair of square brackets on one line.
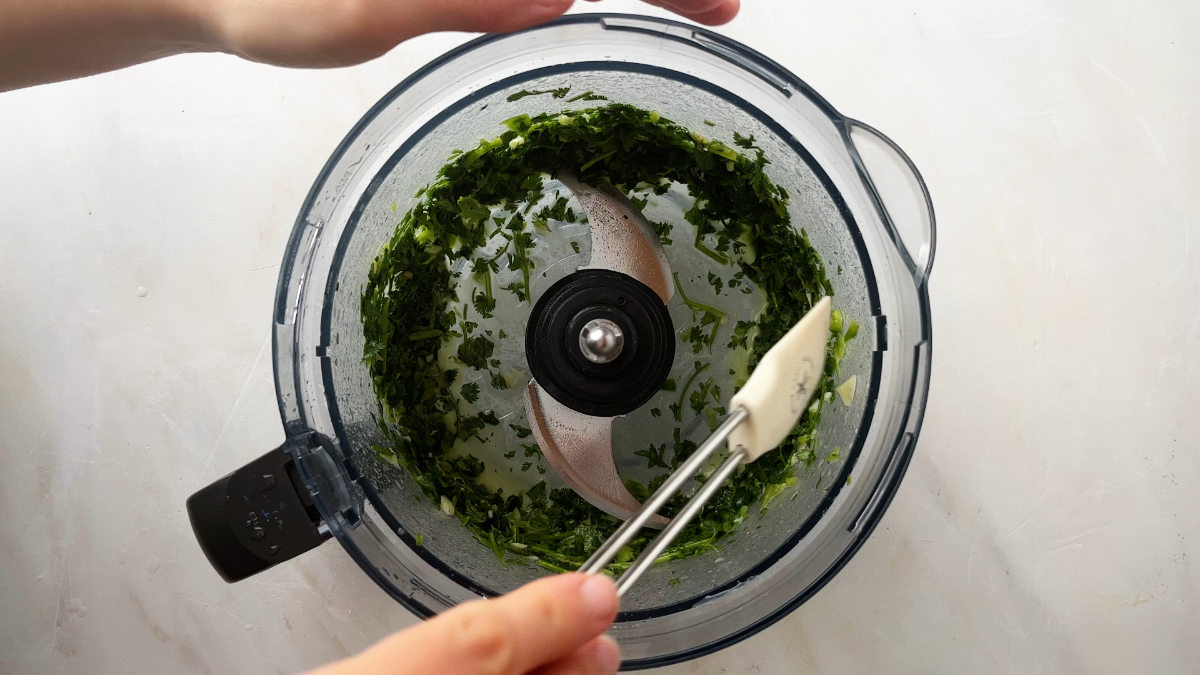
[(853, 193)]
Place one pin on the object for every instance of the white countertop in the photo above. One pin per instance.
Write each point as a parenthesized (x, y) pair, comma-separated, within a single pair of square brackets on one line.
[(1051, 517)]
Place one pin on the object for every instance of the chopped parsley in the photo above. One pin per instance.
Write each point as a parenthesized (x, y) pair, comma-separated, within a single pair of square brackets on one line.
[(413, 318), (561, 92)]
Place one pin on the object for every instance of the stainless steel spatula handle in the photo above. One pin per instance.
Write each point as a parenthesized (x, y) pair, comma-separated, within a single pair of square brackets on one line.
[(686, 515), (764, 412), (629, 529)]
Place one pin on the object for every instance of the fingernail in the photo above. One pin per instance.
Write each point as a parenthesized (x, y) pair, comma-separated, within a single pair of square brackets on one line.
[(557, 5), (599, 596), (606, 655)]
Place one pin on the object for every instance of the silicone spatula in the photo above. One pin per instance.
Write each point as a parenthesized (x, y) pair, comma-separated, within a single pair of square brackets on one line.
[(764, 411)]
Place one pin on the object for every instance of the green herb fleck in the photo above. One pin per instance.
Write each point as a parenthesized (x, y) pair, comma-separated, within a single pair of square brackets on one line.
[(475, 351), (499, 381), (716, 282), (654, 455), (561, 92), (587, 96)]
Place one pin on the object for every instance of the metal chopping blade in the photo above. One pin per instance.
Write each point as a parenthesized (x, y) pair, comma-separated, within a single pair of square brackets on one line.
[(622, 239), (579, 446)]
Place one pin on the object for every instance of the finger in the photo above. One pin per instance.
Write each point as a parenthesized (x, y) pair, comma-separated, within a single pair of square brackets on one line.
[(723, 13), (707, 12), (692, 6), (601, 656), (537, 624), (483, 16)]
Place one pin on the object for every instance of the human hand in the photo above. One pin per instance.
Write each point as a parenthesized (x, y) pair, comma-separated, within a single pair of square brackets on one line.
[(707, 12), (320, 33), (552, 626), (44, 41)]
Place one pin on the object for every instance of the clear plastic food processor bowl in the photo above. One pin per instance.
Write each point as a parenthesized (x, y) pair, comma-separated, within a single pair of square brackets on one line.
[(856, 194)]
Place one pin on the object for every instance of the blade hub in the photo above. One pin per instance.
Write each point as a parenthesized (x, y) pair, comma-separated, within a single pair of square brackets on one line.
[(600, 342)]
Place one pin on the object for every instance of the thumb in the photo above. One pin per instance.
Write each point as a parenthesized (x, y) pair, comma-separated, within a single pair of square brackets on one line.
[(541, 623), (481, 16)]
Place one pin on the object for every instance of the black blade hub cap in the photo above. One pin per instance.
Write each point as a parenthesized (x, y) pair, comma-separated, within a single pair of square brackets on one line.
[(620, 380)]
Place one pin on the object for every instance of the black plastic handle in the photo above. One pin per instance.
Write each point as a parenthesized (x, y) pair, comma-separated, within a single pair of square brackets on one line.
[(256, 517)]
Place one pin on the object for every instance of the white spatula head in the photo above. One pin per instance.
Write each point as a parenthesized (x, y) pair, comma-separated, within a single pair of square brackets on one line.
[(782, 384)]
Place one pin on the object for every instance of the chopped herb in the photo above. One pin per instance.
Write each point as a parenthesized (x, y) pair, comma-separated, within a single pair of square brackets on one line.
[(706, 314), (774, 490), (677, 408), (851, 331), (654, 455), (424, 335), (561, 92), (663, 230), (716, 282), (522, 432), (698, 399), (746, 142), (475, 351), (499, 381), (484, 303), (741, 220), (742, 333), (587, 96)]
